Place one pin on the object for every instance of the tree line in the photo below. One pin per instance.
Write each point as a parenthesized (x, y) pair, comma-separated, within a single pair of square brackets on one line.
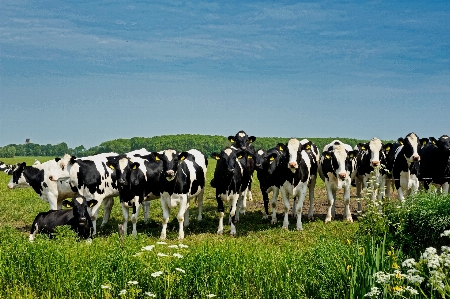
[(207, 144)]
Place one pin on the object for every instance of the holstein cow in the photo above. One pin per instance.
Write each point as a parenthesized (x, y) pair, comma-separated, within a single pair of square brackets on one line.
[(183, 177), (244, 142), (77, 217), (43, 179), (336, 167), (371, 154), (231, 182), (3, 166), (434, 168), (92, 178), (406, 167)]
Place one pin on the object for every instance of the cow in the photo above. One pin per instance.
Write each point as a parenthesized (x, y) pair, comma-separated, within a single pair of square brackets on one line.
[(92, 178), (231, 183), (434, 156), (406, 165), (3, 166), (183, 177), (371, 165), (244, 142), (336, 168), (9, 168), (42, 178), (77, 217)]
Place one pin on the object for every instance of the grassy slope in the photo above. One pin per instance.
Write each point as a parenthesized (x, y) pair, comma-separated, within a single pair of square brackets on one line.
[(262, 261)]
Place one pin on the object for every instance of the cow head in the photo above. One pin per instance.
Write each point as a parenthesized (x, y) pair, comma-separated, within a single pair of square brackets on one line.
[(259, 159), (274, 157), (294, 149), (170, 159), (377, 152), (341, 162), (121, 167), (443, 143), (79, 207), (242, 141), (18, 179), (410, 147), (229, 160)]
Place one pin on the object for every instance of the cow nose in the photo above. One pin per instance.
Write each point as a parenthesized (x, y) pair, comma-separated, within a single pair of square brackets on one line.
[(122, 181), (82, 219), (169, 172), (293, 165), (342, 175), (230, 170), (375, 163), (416, 158)]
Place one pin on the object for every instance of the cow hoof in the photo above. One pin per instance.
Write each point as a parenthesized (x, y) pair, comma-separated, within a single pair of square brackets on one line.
[(299, 228), (273, 221), (327, 220), (350, 219), (285, 227), (163, 237), (199, 218), (310, 217), (233, 233), (180, 237), (220, 232)]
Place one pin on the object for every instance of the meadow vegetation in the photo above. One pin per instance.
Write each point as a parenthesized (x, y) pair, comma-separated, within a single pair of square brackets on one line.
[(370, 258)]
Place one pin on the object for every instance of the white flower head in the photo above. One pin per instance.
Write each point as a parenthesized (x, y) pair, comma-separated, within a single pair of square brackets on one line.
[(161, 254), (177, 255), (122, 292), (133, 282), (161, 243), (173, 246), (409, 263), (156, 274), (411, 290), (180, 270), (148, 248), (373, 292), (445, 233), (150, 294), (105, 287), (183, 246), (211, 295)]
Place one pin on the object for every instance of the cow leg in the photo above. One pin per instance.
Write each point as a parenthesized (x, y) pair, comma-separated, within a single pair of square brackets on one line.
[(330, 202), (200, 204), (311, 187), (287, 207), (135, 216), (358, 182), (347, 213), (125, 214), (266, 204), (233, 203), (53, 201), (146, 205), (243, 204), (294, 208), (445, 187), (274, 204), (184, 209), (186, 214), (166, 214), (333, 208), (107, 207), (220, 210), (299, 208), (94, 212), (34, 230)]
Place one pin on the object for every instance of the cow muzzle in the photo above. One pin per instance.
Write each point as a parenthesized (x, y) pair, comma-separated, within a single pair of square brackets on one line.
[(416, 158), (375, 163), (170, 174), (342, 175), (293, 165), (122, 182), (82, 221)]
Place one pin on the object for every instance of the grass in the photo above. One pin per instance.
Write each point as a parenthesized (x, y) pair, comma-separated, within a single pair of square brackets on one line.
[(262, 261)]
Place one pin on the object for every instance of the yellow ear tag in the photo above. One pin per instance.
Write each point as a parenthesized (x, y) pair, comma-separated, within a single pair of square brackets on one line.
[(327, 156), (67, 206), (250, 157), (281, 149), (388, 148), (401, 142), (110, 166), (231, 140), (272, 158), (91, 205), (240, 157), (156, 158), (134, 167), (434, 142), (182, 158), (363, 148), (307, 147), (351, 155), (217, 158)]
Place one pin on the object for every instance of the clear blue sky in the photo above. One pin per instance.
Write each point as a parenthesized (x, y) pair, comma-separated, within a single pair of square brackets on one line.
[(84, 72)]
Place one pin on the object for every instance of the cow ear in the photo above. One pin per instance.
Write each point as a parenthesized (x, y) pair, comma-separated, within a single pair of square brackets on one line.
[(57, 159), (157, 156), (183, 156), (240, 154), (387, 147), (92, 203), (423, 141), (72, 160), (272, 157), (135, 165), (401, 140), (251, 139), (110, 165), (307, 146), (351, 154), (231, 139), (67, 203), (433, 140), (215, 156), (326, 155), (281, 147)]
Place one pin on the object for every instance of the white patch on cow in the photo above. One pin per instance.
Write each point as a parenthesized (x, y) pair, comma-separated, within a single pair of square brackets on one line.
[(242, 134), (260, 152), (228, 151), (170, 154), (80, 200), (293, 145), (123, 163), (341, 155), (444, 137), (375, 147)]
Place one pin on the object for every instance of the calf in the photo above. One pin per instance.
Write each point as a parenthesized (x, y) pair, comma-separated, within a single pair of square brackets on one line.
[(42, 178), (371, 154), (336, 167), (231, 183), (183, 177), (244, 142), (405, 169), (434, 157), (78, 218)]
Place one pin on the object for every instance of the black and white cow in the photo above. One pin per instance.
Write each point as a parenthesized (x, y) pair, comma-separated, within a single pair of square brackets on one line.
[(406, 166), (244, 142), (9, 168), (77, 217), (183, 177), (231, 183), (371, 154), (3, 166), (92, 178), (336, 168), (434, 156), (42, 178)]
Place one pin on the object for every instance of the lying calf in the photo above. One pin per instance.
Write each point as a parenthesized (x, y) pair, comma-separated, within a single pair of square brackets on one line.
[(78, 218)]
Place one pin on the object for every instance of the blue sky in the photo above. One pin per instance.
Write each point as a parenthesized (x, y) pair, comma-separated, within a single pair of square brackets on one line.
[(84, 72)]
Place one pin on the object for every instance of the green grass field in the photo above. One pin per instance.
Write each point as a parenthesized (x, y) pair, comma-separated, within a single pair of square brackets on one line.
[(261, 261)]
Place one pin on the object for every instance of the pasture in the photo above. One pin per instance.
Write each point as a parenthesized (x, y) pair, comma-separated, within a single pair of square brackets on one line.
[(261, 261)]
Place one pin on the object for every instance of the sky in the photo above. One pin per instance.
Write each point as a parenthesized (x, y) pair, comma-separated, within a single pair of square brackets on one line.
[(85, 72)]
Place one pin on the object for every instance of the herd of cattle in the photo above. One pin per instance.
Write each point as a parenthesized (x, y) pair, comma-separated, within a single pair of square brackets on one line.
[(176, 177)]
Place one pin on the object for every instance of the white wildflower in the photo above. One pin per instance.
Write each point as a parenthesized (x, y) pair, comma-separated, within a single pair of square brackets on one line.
[(133, 282), (161, 243), (150, 294), (411, 290), (148, 248), (180, 270), (161, 254), (435, 281), (409, 263), (445, 233), (374, 291), (428, 252), (177, 255), (445, 249), (211, 296), (105, 287), (156, 274), (382, 278), (173, 246), (183, 246), (122, 292)]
